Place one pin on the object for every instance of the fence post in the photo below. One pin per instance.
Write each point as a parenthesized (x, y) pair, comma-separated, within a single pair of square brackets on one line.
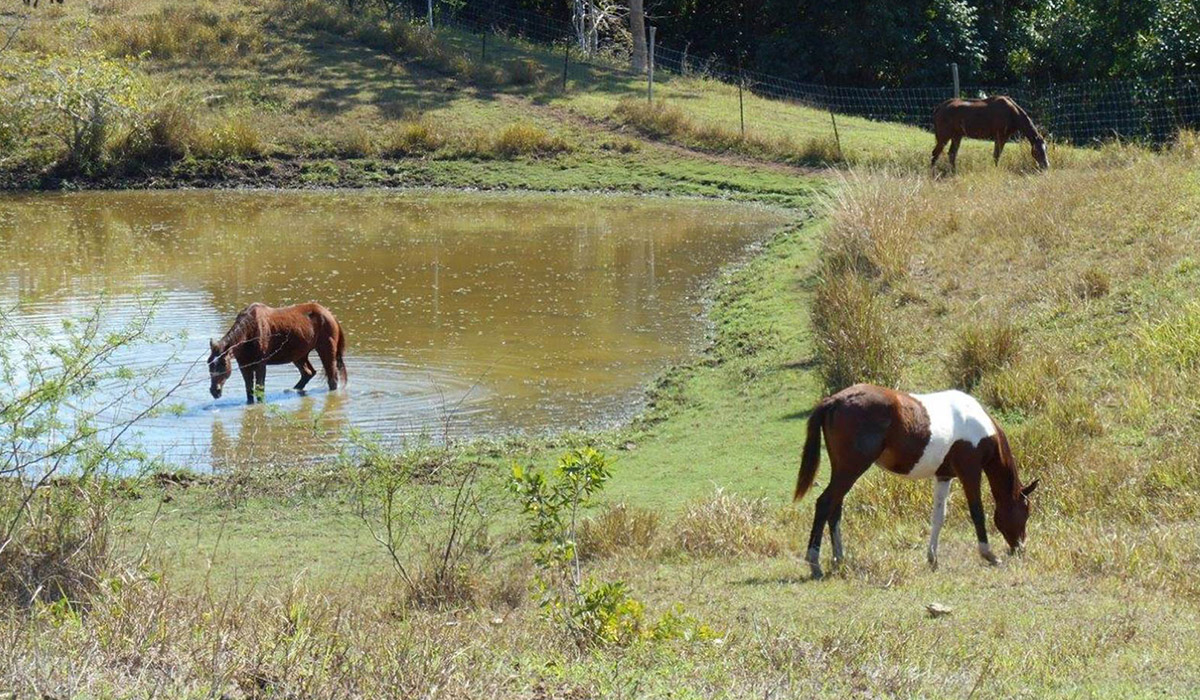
[(954, 75), (566, 63), (837, 139), (650, 80), (429, 5), (483, 45)]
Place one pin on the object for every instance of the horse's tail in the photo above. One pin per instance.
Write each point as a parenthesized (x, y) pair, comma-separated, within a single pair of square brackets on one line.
[(341, 352), (811, 458)]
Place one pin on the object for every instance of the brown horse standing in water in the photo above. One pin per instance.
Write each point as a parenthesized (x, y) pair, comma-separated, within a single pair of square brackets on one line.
[(263, 336), (997, 118), (917, 436)]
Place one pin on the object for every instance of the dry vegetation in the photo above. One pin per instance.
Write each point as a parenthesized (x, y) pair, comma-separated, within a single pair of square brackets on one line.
[(1057, 298)]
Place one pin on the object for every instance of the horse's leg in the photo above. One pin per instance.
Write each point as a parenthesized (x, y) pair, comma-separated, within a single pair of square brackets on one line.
[(835, 532), (307, 372), (954, 153), (260, 380), (248, 378), (970, 472), (327, 350), (998, 148), (820, 517), (941, 494), (937, 152)]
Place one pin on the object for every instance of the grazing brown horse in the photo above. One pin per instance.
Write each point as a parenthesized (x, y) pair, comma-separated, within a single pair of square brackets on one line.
[(263, 336), (997, 118), (918, 436)]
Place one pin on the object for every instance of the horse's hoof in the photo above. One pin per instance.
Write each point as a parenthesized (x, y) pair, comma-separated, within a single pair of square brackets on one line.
[(933, 563), (817, 574)]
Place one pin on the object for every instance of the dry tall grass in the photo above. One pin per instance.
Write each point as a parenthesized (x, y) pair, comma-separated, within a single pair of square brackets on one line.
[(1090, 264)]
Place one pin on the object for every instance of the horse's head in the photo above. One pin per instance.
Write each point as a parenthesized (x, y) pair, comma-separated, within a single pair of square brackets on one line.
[(1011, 518), (1039, 153), (219, 368)]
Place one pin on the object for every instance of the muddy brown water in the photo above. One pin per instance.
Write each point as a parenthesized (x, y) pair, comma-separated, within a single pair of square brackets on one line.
[(466, 314)]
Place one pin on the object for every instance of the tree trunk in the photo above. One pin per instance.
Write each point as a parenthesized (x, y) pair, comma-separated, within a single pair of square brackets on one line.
[(637, 29)]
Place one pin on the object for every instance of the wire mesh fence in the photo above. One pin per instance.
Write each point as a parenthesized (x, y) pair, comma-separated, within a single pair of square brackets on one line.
[(1148, 110)]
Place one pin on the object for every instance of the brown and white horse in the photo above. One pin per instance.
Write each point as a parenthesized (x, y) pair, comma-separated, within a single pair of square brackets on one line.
[(918, 436), (262, 336), (996, 118)]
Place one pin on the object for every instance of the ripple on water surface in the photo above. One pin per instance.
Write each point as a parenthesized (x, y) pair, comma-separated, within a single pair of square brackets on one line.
[(465, 314)]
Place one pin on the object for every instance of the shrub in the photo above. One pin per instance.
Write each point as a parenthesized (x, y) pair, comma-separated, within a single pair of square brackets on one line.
[(166, 134), (435, 535), (525, 139), (980, 349), (726, 525), (657, 119), (854, 338), (81, 99), (56, 485), (410, 139), (233, 136), (618, 528), (523, 71), (873, 224), (356, 142)]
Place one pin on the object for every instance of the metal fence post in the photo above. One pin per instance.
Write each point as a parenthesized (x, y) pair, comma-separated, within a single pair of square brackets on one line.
[(650, 81), (429, 5), (954, 75)]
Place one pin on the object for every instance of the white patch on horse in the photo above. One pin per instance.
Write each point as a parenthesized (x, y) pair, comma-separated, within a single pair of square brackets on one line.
[(953, 416)]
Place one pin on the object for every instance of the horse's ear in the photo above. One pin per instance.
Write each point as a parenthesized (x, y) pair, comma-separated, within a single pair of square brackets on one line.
[(1030, 488), (211, 345)]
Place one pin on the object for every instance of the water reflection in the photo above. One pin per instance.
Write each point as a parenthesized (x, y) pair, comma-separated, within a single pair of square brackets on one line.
[(462, 312)]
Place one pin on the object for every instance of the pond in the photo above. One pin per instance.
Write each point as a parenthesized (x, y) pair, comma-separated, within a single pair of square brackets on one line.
[(465, 313)]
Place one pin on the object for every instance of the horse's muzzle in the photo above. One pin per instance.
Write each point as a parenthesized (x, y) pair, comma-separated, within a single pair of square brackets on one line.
[(216, 393)]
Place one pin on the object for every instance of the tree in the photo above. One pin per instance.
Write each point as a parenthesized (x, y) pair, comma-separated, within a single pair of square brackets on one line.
[(637, 31)]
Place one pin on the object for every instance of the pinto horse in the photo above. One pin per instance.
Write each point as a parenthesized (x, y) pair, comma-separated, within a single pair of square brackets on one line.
[(918, 436), (262, 336), (997, 118)]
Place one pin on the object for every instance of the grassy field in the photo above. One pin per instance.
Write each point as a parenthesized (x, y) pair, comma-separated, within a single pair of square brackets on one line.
[(1065, 301)]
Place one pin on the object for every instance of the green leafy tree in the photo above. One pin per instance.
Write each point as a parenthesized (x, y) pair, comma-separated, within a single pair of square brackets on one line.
[(80, 99)]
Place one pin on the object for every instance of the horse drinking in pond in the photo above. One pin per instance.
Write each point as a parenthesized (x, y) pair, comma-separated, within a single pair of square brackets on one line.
[(263, 336), (919, 436), (995, 118)]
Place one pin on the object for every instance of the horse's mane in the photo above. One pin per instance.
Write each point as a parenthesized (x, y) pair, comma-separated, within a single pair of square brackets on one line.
[(249, 326), (1025, 124)]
